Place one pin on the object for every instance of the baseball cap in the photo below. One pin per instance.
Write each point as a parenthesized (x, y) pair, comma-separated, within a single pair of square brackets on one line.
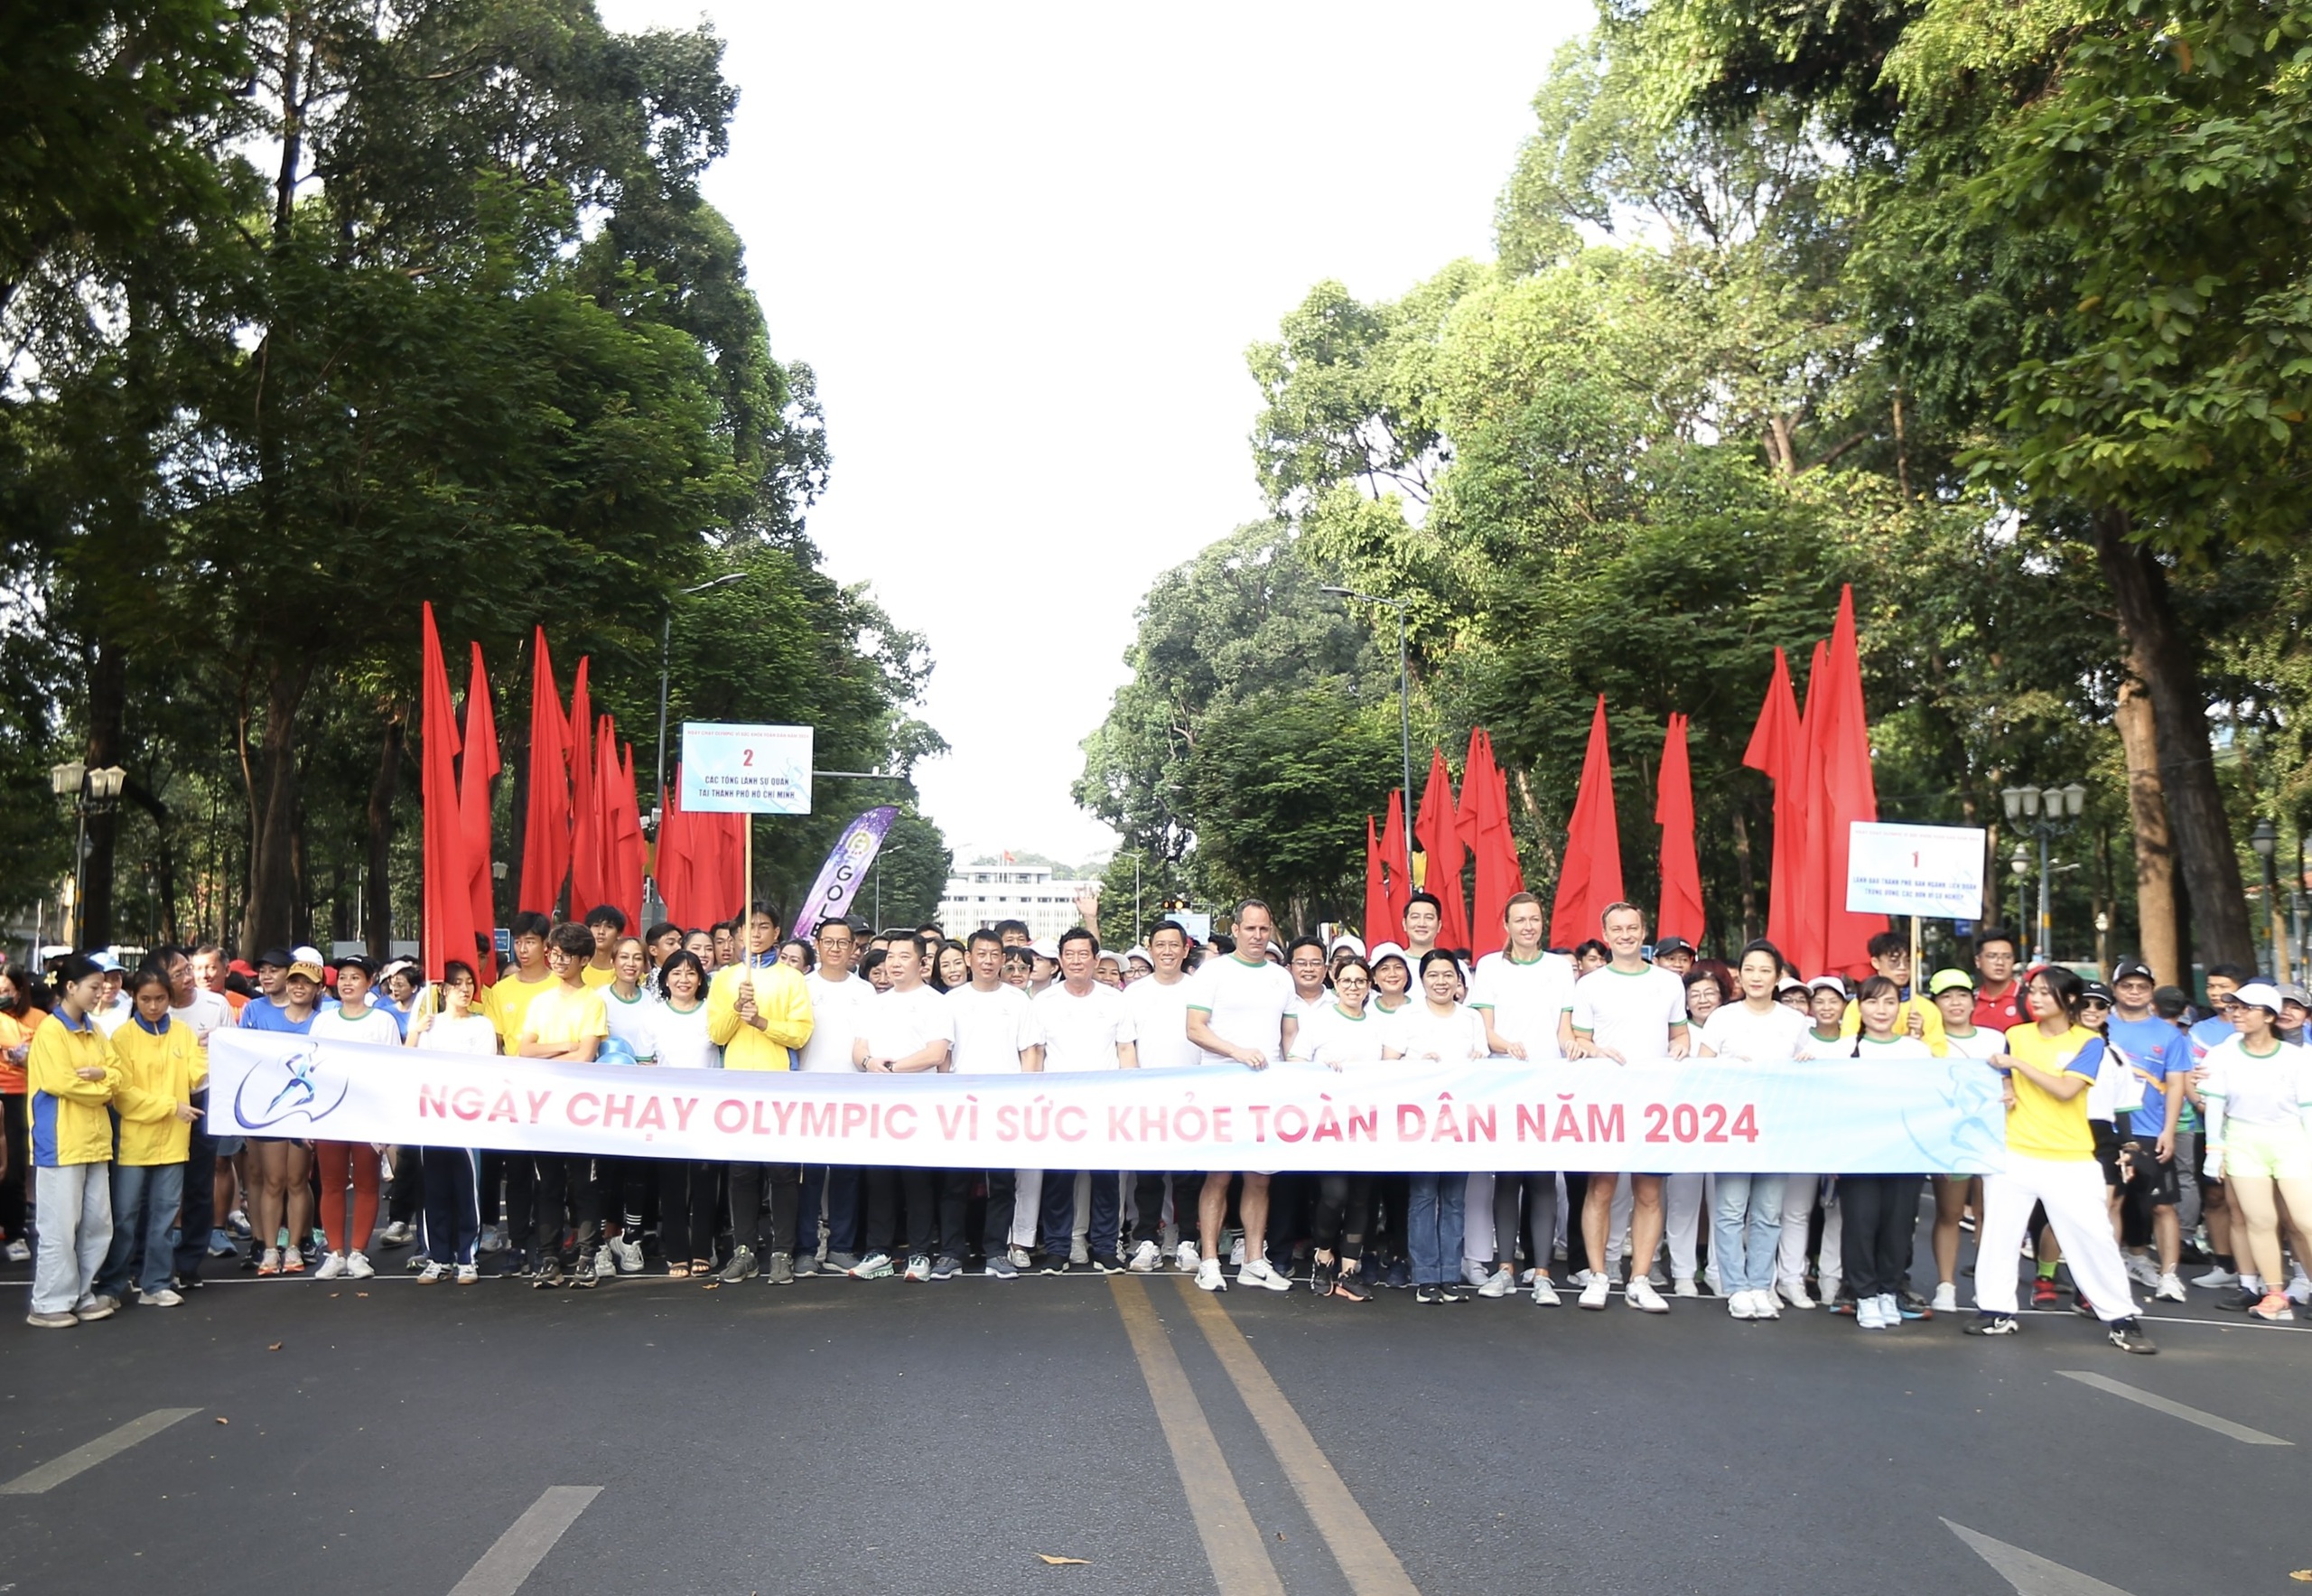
[(1137, 952), (1672, 945), (1045, 947), (356, 961), (280, 958), (1356, 945), (1788, 983), (2133, 969), (1828, 984), (1943, 981), (308, 969), (2097, 991), (306, 954), (105, 962), (2259, 995)]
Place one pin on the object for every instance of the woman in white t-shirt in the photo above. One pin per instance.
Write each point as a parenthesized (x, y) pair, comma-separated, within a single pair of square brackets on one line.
[(630, 1008), (1745, 1230), (1882, 1211), (1341, 1032), (1437, 1030), (340, 1167), (1387, 1262), (2254, 1089), (452, 1174), (686, 1186)]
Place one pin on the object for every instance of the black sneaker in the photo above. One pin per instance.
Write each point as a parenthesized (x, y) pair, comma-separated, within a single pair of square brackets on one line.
[(1429, 1293), (583, 1278), (2127, 1335), (1106, 1264), (1451, 1293), (549, 1275), (1056, 1264), (2239, 1302), (1995, 1324), (1352, 1288), (1321, 1278), (2082, 1306)]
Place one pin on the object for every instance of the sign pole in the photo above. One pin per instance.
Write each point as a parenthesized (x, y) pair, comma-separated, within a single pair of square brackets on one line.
[(1918, 975)]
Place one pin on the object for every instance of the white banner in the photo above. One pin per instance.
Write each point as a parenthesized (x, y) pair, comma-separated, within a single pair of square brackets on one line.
[(1929, 870), (1667, 1118)]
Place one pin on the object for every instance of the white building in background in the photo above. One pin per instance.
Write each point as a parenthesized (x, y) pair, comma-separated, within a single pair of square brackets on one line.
[(981, 894)]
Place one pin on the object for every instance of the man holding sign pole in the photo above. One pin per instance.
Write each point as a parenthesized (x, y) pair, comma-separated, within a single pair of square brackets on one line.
[(758, 1012)]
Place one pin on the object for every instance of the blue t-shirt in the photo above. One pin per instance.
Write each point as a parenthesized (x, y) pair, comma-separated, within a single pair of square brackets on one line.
[(261, 1013), (2158, 1050)]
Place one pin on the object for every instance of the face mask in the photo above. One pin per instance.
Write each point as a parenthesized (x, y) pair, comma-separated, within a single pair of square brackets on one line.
[(9, 1001)]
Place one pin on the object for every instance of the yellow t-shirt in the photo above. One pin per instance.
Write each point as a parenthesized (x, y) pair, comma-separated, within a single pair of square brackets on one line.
[(592, 977), (1931, 1036), (506, 1004), (561, 1018), (2041, 1124)]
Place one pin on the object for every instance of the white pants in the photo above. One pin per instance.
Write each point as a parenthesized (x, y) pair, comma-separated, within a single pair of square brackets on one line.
[(75, 1207), (2072, 1192), (1618, 1228), (1798, 1212), (1027, 1205), (1681, 1198), (1476, 1220)]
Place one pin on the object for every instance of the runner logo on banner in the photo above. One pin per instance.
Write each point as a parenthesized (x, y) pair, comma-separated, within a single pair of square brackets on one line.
[(746, 769)]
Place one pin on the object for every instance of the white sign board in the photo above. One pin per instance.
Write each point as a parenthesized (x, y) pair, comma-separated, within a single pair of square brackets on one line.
[(746, 769), (1929, 870)]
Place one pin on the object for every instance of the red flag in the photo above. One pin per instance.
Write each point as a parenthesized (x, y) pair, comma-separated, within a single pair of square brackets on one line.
[(447, 929), (1376, 890), (1778, 748), (670, 860), (1591, 875), (1839, 792), (1397, 864), (1485, 796), (1674, 812), (1437, 830), (474, 773), (587, 866), (627, 849), (546, 821)]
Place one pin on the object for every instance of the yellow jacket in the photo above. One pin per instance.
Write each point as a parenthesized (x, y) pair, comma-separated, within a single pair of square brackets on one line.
[(159, 1073), (69, 1124), (781, 1001)]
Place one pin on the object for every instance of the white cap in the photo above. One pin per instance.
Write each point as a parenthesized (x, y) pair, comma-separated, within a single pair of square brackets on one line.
[(1137, 952), (304, 955), (1047, 948), (1350, 942), (1382, 950), (2259, 995), (1828, 984)]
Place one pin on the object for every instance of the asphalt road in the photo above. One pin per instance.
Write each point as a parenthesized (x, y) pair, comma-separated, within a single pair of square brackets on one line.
[(843, 1437)]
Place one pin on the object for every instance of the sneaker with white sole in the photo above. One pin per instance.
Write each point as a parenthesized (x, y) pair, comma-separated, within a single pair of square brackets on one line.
[(629, 1256), (2216, 1279), (1474, 1274), (2142, 1270), (1237, 1252), (20, 1252), (1643, 1296), (163, 1298), (1209, 1277), (605, 1263), (741, 1267), (333, 1267), (1685, 1288), (1995, 1324), (781, 1271), (1594, 1292), (1499, 1284), (1022, 1258), (52, 1320), (1000, 1267), (357, 1266), (432, 1273), (1764, 1304), (397, 1233), (2299, 1289), (2170, 1288), (1946, 1298), (918, 1268), (874, 1266), (1185, 1259), (2127, 1335), (1737, 1306), (1891, 1311), (1257, 1272), (1544, 1292), (92, 1308), (1145, 1258), (1867, 1314), (468, 1274)]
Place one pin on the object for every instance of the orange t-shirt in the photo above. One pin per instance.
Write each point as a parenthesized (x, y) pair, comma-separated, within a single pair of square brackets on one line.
[(14, 1034)]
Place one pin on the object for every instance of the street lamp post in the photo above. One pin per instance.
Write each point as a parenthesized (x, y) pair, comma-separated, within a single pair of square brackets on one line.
[(2021, 865), (2051, 811), (1404, 697), (92, 793), (666, 656), (2265, 840)]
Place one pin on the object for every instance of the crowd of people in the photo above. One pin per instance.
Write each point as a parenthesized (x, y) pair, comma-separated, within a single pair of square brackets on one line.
[(2142, 1135)]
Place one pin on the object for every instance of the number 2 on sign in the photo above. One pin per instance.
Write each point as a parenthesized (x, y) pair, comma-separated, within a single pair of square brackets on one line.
[(747, 758)]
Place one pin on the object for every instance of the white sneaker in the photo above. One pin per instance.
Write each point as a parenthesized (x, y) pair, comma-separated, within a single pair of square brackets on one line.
[(432, 1273), (1544, 1293), (1236, 1252), (2170, 1289), (1209, 1277), (1642, 1297), (1594, 1294), (1184, 1257), (605, 1263), (1867, 1314), (1891, 1311), (19, 1251), (1764, 1305), (1018, 1256), (1685, 1288), (918, 1268), (1256, 1271), (629, 1256), (1737, 1306), (1499, 1284), (1474, 1274), (1946, 1298), (2142, 1270), (2299, 1288), (874, 1266), (163, 1298), (1580, 1280), (1794, 1292), (2216, 1279), (358, 1266), (1145, 1258), (331, 1267), (1717, 1282), (397, 1233), (468, 1273)]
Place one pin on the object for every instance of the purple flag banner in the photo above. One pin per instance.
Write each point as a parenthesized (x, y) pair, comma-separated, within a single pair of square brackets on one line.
[(839, 877)]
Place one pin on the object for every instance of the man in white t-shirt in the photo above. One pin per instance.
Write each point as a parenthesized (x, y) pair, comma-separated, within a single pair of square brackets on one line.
[(1523, 994), (199, 1236), (1626, 1009), (907, 1030), (1085, 1025), (1160, 1017), (1241, 1014), (995, 1034), (839, 997), (1424, 916)]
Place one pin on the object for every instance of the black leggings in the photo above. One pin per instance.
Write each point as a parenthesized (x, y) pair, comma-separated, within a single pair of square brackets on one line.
[(1879, 1216), (686, 1209), (1540, 1194), (1343, 1213), (12, 1108)]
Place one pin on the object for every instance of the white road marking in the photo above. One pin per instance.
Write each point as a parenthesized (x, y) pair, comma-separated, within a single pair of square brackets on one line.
[(80, 1459), (502, 1568), (2174, 1410), (2030, 1573)]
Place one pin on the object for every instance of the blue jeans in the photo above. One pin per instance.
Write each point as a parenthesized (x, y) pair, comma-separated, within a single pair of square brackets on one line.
[(1059, 1212), (840, 1184), (1746, 1231), (1433, 1227), (145, 1200)]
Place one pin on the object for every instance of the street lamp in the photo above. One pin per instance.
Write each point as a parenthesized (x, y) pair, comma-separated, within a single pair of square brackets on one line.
[(92, 793), (2265, 840), (666, 647), (2021, 865), (2051, 811), (1404, 701)]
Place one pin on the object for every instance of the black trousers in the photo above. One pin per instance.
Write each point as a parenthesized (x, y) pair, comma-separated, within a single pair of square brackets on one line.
[(1343, 1215), (747, 1183), (956, 1206), (1880, 1218), (408, 1203), (564, 1181), (1539, 1195), (197, 1209), (687, 1208), (885, 1189), (15, 1108)]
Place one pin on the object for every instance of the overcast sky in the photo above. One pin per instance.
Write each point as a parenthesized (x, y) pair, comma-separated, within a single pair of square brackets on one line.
[(1025, 247)]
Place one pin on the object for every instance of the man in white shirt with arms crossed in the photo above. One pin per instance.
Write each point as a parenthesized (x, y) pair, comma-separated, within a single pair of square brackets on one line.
[(1239, 1014)]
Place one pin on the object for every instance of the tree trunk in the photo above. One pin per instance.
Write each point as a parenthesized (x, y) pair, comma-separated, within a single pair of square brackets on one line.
[(1749, 873), (2160, 654), (378, 905), (164, 859), (107, 697), (269, 919), (2155, 848)]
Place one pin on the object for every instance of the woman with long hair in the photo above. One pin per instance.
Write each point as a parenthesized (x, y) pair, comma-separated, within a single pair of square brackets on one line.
[(285, 1191)]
